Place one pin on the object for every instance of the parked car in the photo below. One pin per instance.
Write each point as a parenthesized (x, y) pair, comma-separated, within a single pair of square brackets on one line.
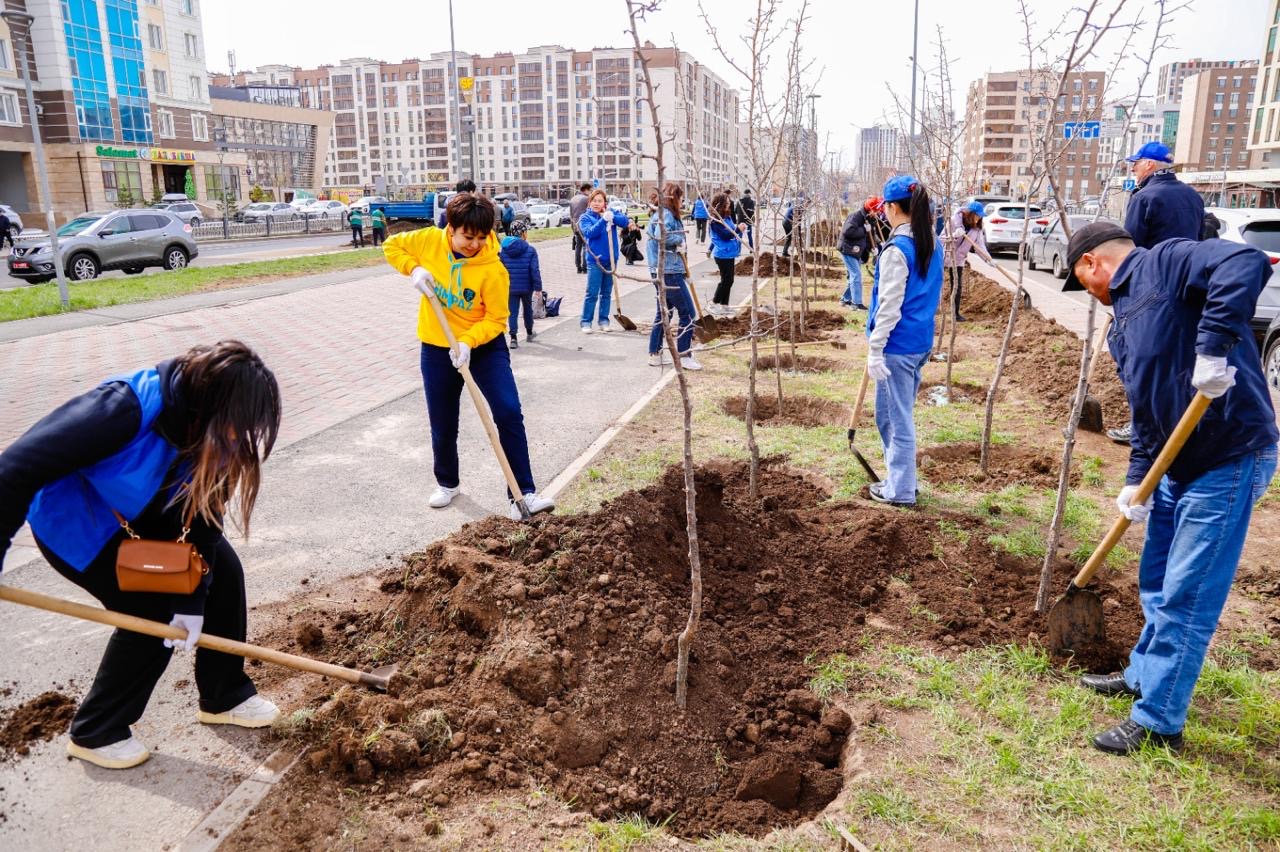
[(362, 204), (617, 205), (1003, 224), (276, 211), (170, 197), (299, 203), (1260, 228), (325, 210), (522, 212), (184, 210), (14, 218), (548, 216), (91, 243), (1271, 355), (508, 196), (984, 200), (1047, 246)]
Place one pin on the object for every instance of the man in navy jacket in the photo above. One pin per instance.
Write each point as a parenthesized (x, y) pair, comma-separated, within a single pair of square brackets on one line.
[(1162, 207), (1181, 325)]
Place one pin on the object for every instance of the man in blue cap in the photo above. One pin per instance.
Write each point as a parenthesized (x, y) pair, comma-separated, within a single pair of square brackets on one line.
[(1182, 313)]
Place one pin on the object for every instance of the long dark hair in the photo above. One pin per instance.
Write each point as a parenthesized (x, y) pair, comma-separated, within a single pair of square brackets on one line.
[(672, 198), (234, 405), (918, 208), (721, 206)]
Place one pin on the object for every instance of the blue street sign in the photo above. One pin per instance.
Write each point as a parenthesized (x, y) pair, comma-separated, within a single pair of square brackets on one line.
[(1081, 129), (595, 183), (1130, 184)]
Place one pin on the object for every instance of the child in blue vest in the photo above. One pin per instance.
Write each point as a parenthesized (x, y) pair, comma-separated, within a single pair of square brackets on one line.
[(163, 450), (904, 300)]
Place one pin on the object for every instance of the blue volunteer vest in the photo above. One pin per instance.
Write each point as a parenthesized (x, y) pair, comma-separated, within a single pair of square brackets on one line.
[(72, 516), (914, 332)]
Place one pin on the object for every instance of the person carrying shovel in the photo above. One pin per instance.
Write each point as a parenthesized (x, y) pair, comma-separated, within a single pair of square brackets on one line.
[(158, 454), (461, 264), (1181, 330)]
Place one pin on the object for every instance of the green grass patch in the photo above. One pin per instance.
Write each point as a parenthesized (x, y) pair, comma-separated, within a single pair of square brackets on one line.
[(621, 835), (541, 235), (1091, 471)]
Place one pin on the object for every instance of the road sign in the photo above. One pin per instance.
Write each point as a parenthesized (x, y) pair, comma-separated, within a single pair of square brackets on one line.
[(1113, 128), (1081, 129), (1130, 184), (595, 183)]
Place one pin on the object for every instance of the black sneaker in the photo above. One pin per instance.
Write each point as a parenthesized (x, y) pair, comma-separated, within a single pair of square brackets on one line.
[(858, 306), (959, 318), (1123, 435), (877, 494), (515, 344), (1129, 736), (1110, 684)]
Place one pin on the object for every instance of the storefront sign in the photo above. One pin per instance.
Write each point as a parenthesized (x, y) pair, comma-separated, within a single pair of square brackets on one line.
[(156, 155), (117, 153)]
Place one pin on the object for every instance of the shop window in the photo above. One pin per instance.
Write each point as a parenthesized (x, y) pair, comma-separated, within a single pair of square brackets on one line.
[(123, 182)]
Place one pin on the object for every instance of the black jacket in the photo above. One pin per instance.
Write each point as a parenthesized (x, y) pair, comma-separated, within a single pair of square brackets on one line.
[(854, 240), (746, 211), (1163, 208)]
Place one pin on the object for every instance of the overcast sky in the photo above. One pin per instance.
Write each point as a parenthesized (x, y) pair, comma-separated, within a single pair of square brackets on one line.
[(862, 49)]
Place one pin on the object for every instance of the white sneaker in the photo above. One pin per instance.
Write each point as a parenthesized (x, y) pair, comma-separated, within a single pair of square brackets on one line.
[(122, 755), (655, 360), (442, 497), (254, 712), (586, 329), (689, 364), (534, 504), (605, 328)]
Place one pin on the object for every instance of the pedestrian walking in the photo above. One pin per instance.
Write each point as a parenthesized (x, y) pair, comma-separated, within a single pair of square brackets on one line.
[(788, 222), (508, 215), (1182, 312), (900, 326), (855, 247), (745, 214), (6, 231), (162, 453), (521, 261), (379, 222), (700, 217), (726, 245), (461, 262), (599, 227), (578, 206), (966, 233), (356, 219), (669, 206)]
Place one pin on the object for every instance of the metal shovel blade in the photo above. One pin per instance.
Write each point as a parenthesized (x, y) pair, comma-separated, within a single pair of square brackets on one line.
[(379, 677), (1076, 621), (1091, 414), (625, 322), (862, 460)]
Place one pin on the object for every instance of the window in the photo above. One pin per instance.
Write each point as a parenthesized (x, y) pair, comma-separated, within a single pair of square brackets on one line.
[(193, 45), (160, 81), (155, 37), (5, 63), (189, 7), (199, 127), (122, 178), (9, 113), (164, 123), (196, 87)]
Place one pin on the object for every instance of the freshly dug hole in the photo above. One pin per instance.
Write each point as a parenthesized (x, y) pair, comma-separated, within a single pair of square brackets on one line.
[(1009, 465), (801, 363), (816, 325), (796, 410)]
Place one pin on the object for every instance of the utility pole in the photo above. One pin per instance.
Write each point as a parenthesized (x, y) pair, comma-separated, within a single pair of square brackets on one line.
[(915, 47), (42, 170), (457, 96)]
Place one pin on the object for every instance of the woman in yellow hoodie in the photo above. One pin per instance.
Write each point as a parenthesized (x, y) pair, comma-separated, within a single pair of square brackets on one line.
[(460, 261)]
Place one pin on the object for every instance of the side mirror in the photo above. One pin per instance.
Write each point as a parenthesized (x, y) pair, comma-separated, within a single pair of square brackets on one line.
[(108, 232), (1037, 230)]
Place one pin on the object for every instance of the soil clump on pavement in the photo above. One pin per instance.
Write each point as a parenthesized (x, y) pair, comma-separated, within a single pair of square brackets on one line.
[(544, 654), (41, 718), (1009, 465), (797, 410), (801, 363)]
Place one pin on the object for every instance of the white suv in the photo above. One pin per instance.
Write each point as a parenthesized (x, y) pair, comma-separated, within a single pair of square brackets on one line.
[(1259, 228), (1003, 222)]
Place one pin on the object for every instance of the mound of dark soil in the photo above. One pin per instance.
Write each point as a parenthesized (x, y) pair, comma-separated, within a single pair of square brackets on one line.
[(545, 654), (42, 718), (815, 326), (1009, 465), (960, 391), (772, 265), (801, 363), (796, 410)]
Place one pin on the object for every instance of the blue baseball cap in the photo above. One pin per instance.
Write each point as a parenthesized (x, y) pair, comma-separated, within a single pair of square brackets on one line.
[(976, 207), (899, 188), (1157, 151)]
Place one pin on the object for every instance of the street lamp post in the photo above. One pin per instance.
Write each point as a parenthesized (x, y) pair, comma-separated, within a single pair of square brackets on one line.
[(457, 97), (42, 171)]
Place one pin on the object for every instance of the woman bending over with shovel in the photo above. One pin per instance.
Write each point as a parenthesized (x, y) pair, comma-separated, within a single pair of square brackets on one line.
[(904, 300), (158, 454)]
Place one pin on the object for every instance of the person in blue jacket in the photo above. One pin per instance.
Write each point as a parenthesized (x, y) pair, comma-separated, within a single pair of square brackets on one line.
[(667, 207), (900, 329), (161, 453), (726, 245), (700, 217), (521, 261), (1182, 312), (599, 228), (464, 185), (1162, 207)]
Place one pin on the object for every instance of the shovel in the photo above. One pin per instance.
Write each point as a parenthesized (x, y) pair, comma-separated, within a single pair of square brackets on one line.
[(1076, 621), (1091, 410), (623, 320), (853, 427), (482, 408), (707, 327), (377, 679)]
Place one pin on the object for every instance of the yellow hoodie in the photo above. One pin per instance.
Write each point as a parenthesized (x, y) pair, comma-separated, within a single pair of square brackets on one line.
[(472, 290)]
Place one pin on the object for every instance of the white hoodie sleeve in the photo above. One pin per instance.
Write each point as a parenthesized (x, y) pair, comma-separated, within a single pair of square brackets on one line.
[(893, 289)]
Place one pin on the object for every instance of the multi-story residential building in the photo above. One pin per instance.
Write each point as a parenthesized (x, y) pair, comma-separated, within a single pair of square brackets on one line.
[(880, 152), (1170, 85), (784, 157), (122, 90), (1264, 134), (537, 122), (1011, 113), (1214, 124), (284, 144)]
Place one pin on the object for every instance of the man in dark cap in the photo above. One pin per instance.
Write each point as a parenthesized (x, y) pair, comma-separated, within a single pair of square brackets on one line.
[(1181, 325)]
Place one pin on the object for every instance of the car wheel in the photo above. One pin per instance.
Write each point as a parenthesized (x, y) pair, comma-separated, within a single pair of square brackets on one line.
[(133, 270), (175, 257), (82, 268), (324, 215), (1271, 364), (1031, 260), (1059, 271), (195, 222)]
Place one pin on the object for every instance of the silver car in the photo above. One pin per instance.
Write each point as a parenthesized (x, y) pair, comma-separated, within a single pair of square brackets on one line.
[(324, 210), (1047, 244), (14, 219), (92, 243), (276, 211), (184, 210)]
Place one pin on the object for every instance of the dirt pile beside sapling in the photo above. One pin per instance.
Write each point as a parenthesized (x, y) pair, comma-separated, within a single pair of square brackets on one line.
[(796, 410), (41, 718), (1008, 465), (817, 324), (801, 363), (774, 265), (545, 653)]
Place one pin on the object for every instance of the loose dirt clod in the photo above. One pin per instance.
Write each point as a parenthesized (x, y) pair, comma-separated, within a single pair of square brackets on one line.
[(309, 636), (796, 410), (42, 718)]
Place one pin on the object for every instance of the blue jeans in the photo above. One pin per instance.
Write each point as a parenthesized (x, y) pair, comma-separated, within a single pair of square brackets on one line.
[(599, 291), (678, 300), (1194, 537), (491, 368), (514, 302), (895, 404), (853, 265)]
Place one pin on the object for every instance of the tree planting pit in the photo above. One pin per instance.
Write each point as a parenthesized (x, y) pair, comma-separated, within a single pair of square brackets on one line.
[(796, 410), (1009, 465), (799, 364)]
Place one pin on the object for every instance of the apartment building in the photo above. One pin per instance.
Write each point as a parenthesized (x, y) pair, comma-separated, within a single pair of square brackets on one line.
[(1010, 111), (880, 155), (284, 144), (1264, 134), (1214, 120), (537, 122), (122, 91)]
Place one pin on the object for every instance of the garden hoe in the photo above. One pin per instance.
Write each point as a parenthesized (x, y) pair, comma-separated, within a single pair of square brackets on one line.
[(853, 427), (482, 408), (1076, 621), (622, 319), (707, 327), (1091, 411), (377, 679)]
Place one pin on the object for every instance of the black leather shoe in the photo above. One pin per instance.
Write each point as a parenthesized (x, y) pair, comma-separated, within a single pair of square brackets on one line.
[(1112, 684), (1129, 736)]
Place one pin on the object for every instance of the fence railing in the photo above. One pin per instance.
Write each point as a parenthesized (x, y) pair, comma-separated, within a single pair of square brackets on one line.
[(227, 229)]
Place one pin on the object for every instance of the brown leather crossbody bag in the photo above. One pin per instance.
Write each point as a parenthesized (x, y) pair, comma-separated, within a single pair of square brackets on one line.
[(147, 565)]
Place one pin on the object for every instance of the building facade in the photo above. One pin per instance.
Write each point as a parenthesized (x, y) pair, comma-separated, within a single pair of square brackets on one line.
[(1264, 132), (1214, 124), (880, 153), (283, 144), (123, 96), (535, 123), (1010, 116)]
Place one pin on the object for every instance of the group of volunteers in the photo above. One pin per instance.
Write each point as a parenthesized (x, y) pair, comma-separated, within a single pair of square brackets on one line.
[(161, 453)]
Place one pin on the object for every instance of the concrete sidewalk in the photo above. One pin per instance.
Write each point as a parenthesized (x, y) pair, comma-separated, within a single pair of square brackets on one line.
[(1071, 310)]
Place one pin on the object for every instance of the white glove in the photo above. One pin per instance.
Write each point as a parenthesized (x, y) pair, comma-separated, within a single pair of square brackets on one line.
[(420, 276), (1137, 514), (460, 357), (1212, 377), (876, 366), (193, 624)]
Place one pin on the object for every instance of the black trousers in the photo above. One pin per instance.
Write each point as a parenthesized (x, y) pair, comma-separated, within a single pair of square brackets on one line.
[(725, 265), (702, 229), (379, 236), (133, 663), (6, 235), (357, 236), (956, 277), (579, 262), (786, 228)]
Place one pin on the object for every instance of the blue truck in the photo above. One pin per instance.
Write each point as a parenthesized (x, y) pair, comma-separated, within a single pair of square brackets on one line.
[(412, 211)]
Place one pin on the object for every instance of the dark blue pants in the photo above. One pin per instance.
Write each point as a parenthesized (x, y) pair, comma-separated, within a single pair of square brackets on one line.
[(514, 303), (678, 300), (491, 368)]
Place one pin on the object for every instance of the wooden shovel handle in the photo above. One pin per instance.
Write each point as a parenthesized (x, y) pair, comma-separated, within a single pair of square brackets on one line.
[(862, 396), (164, 631), (1181, 432)]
